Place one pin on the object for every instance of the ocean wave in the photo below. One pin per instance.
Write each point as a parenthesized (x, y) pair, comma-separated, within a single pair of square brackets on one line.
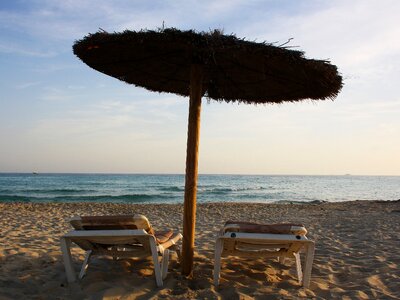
[(222, 190), (171, 188), (50, 191), (135, 198), (316, 201), (13, 198), (263, 196)]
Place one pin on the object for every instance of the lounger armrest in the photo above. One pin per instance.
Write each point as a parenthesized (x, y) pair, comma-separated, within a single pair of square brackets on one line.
[(172, 241), (230, 228)]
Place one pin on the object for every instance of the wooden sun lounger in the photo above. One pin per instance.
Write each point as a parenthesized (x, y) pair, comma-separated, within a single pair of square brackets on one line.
[(245, 239), (118, 236)]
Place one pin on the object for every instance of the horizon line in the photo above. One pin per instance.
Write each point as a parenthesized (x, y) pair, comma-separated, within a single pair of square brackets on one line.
[(200, 174)]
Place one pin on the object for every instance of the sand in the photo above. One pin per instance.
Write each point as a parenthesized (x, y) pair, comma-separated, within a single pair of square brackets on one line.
[(357, 253)]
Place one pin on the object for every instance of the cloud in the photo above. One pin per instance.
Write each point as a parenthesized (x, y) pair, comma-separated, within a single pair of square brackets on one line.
[(26, 85), (352, 33), (69, 19), (22, 50)]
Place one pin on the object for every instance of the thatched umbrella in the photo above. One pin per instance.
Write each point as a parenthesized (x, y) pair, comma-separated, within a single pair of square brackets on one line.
[(217, 66)]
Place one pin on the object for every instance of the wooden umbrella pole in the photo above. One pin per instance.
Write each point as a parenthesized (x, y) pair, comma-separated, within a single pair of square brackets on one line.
[(192, 153)]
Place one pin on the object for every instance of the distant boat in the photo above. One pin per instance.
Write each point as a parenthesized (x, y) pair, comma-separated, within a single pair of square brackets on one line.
[(35, 173)]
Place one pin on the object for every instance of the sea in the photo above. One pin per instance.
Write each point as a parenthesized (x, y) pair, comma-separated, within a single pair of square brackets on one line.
[(169, 188), (156, 188)]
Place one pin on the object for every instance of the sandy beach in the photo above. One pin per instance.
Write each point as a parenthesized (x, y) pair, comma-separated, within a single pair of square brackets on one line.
[(357, 253)]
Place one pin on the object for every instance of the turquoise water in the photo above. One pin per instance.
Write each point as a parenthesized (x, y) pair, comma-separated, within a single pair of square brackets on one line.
[(140, 188)]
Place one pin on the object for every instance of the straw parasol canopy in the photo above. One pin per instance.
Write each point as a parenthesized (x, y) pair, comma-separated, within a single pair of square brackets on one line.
[(210, 64)]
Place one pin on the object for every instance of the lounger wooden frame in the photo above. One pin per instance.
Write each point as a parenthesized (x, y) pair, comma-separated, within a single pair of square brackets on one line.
[(268, 245)]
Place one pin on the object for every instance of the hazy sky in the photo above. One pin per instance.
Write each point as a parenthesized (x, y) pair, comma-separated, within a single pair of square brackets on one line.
[(59, 115)]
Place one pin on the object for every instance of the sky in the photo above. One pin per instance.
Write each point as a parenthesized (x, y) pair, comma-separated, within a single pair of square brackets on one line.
[(59, 115)]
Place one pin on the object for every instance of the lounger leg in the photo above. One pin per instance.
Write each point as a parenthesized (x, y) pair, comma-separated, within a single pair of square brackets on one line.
[(217, 260), (310, 248), (157, 269), (66, 252), (177, 249), (85, 264), (115, 250), (164, 263), (298, 267)]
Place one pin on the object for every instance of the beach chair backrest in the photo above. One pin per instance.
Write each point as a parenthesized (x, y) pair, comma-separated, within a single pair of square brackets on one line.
[(249, 227), (112, 223)]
